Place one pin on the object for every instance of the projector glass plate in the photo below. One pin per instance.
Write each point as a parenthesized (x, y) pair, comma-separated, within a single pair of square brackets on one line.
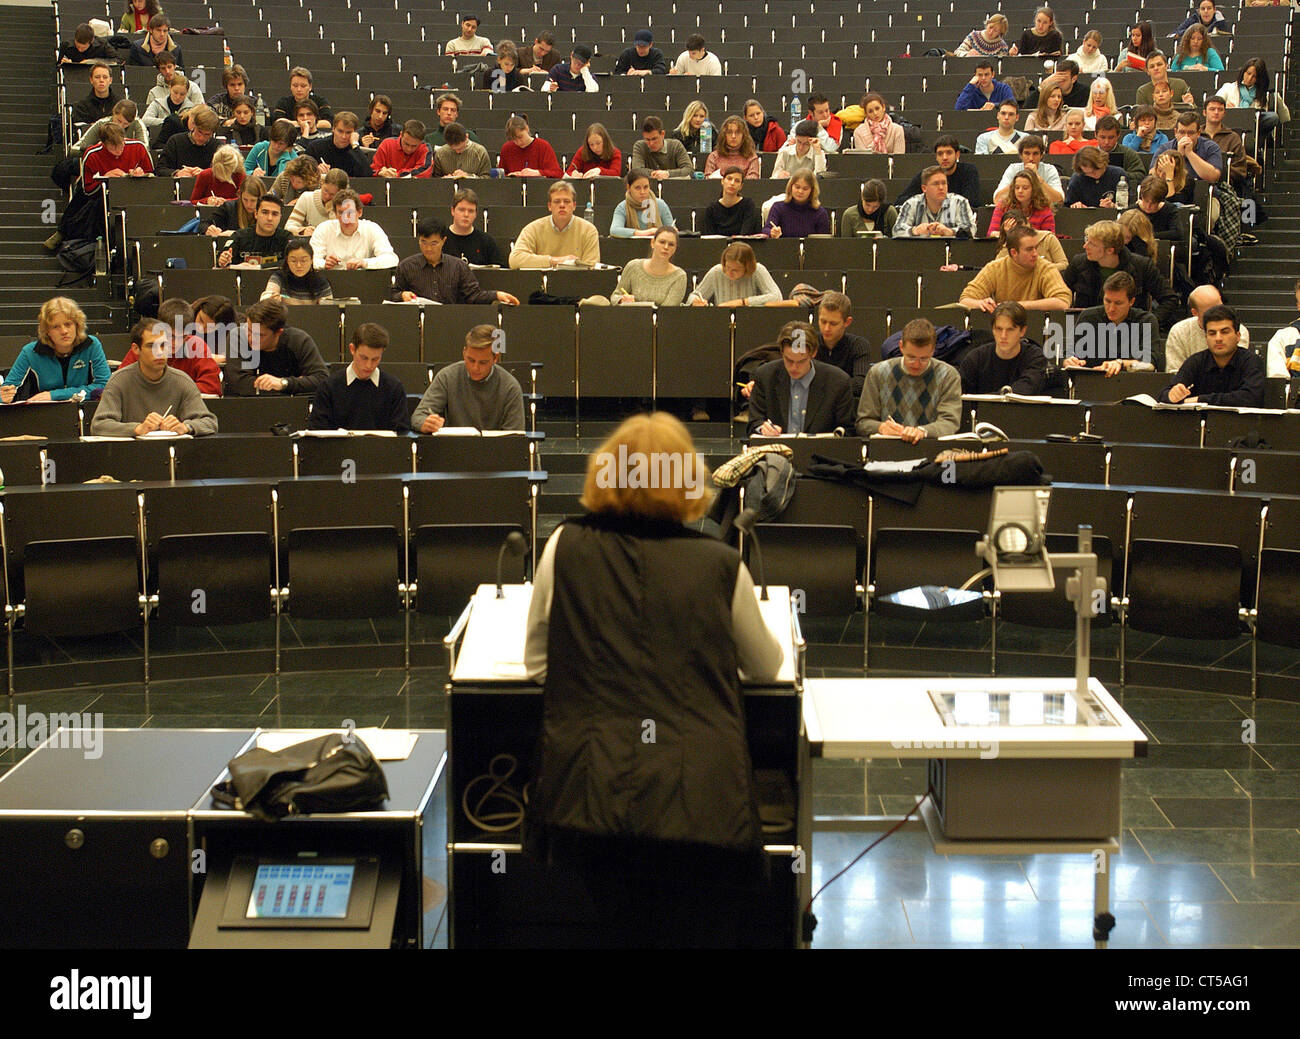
[(1018, 708)]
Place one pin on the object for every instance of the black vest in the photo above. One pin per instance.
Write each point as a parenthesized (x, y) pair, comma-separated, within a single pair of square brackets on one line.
[(644, 727)]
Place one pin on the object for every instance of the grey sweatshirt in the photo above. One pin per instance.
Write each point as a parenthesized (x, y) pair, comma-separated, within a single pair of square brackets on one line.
[(495, 403), (129, 397)]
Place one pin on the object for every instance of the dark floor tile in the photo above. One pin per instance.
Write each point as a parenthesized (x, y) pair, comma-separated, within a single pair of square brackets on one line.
[(1261, 882), (1192, 707), (332, 632), (232, 720), (1220, 845), (357, 684), (1279, 757), (257, 635), (1203, 731), (360, 719), (833, 780), (75, 700), (839, 804), (1256, 924), (897, 804), (1195, 756), (1270, 710), (1204, 812), (896, 781), (1266, 782), (1177, 782), (1142, 811)]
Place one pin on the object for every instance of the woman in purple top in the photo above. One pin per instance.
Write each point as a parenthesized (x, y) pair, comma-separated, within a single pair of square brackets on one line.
[(800, 213)]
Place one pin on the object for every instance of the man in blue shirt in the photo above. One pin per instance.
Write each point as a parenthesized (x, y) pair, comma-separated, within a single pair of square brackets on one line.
[(575, 75), (1203, 157), (984, 92), (795, 394)]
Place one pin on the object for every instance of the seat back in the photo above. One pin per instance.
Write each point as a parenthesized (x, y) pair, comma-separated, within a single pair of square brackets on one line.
[(206, 579), (1052, 609), (342, 573), (819, 563), (1278, 617), (85, 587), (1184, 590), (452, 560)]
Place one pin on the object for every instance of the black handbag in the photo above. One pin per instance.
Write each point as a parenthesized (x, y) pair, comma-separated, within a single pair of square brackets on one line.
[(331, 773)]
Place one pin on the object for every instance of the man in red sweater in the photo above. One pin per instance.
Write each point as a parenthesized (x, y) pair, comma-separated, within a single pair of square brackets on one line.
[(403, 155), (114, 156), (193, 356), (524, 155)]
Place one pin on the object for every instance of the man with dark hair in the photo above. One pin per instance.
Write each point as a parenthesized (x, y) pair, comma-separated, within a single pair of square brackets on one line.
[(643, 58), (189, 154), (1010, 362), (98, 104), (1107, 134), (1031, 149), (1158, 70), (1003, 139), (190, 353), (361, 396), (912, 396), (261, 245), (1223, 374), (448, 106), (272, 357), (1202, 156), (1116, 336), (459, 156), (830, 130), (157, 40), (300, 89), (474, 391), (337, 152), (983, 92), (575, 74), (524, 155), (795, 394), (660, 157), (696, 60), (837, 345), (436, 275), (963, 177), (151, 396), (405, 155), (1066, 77), (84, 47), (471, 244), (469, 43), (1243, 166), (542, 55), (1095, 183), (1022, 275)]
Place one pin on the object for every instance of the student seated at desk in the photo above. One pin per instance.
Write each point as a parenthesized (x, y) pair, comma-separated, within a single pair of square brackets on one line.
[(796, 393), (150, 396), (193, 357), (473, 392), (361, 396), (62, 362), (272, 358)]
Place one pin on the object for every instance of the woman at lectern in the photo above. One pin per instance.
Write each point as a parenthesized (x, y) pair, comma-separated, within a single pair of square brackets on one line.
[(637, 628)]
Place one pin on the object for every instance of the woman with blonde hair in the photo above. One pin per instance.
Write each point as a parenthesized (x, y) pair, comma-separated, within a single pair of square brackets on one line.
[(800, 213), (1139, 235), (301, 174), (989, 42), (734, 151), (633, 616), (688, 130), (1043, 39), (1089, 56), (313, 208), (1073, 139), (1171, 167), (62, 362), (222, 180), (1101, 102), (1050, 113)]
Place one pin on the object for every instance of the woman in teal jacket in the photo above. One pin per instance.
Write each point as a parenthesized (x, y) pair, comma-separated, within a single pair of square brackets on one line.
[(62, 363)]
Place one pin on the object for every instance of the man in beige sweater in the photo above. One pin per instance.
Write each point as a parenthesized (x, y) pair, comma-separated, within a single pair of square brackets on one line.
[(1020, 276), (559, 238)]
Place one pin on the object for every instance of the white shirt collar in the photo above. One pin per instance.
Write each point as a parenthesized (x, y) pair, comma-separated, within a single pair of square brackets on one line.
[(352, 376)]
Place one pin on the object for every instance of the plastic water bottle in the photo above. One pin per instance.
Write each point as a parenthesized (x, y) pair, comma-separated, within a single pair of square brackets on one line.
[(796, 112), (226, 57), (1121, 193), (261, 111), (706, 138), (589, 213), (101, 257)]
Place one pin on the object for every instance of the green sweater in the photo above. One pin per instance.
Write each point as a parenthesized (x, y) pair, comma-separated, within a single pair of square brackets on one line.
[(931, 400)]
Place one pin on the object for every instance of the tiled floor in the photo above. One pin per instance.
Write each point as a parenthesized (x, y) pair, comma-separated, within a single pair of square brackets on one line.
[(1211, 845)]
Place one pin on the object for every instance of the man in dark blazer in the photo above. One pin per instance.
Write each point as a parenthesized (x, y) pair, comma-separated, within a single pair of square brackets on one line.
[(795, 394)]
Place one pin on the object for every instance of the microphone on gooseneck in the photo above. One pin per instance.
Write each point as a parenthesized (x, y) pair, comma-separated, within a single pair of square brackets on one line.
[(745, 521), (516, 546)]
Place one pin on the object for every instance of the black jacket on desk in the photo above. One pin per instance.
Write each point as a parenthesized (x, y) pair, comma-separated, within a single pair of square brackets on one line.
[(964, 180), (361, 404), (1238, 384), (1086, 278), (830, 399)]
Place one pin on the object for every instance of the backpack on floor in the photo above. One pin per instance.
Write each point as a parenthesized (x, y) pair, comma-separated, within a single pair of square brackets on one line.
[(77, 258)]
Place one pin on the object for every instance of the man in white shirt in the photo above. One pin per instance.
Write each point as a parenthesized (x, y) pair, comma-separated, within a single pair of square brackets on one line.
[(1031, 149), (1282, 347), (695, 60), (469, 42), (349, 242), (1004, 139)]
